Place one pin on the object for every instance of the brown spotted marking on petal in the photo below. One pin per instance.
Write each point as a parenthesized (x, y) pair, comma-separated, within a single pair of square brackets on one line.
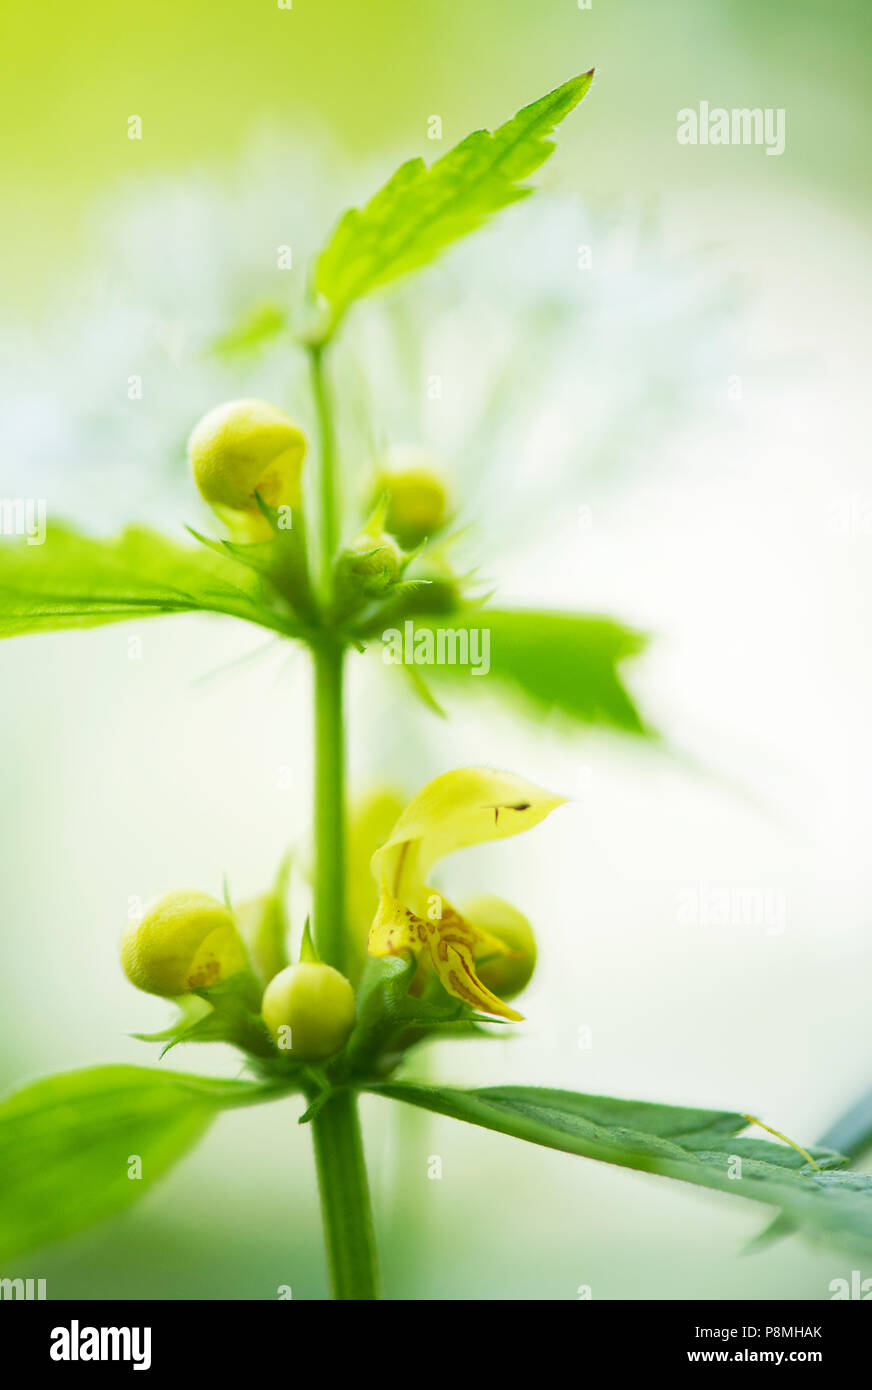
[(510, 806), (205, 974), (460, 990)]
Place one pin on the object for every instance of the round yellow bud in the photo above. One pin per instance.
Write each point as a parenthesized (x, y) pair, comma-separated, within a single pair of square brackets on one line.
[(506, 975), (183, 941), (417, 505), (309, 1009), (244, 447)]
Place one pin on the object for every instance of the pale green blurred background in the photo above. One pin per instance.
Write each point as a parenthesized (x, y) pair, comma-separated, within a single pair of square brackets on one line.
[(735, 526)]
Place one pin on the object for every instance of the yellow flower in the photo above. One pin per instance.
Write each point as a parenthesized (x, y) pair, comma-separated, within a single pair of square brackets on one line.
[(183, 941), (242, 448), (454, 811)]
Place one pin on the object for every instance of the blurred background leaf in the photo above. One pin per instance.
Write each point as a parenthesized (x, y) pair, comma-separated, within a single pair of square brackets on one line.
[(67, 1144), (254, 330), (565, 663)]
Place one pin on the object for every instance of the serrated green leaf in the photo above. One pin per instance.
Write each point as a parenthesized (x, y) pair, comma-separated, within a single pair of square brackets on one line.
[(579, 1123), (420, 210), (66, 1143), (564, 662), (75, 581), (696, 1146)]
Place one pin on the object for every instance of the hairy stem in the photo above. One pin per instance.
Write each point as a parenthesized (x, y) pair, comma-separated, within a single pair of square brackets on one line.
[(339, 1156)]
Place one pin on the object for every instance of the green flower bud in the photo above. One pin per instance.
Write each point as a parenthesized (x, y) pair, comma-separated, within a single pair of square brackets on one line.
[(310, 1011), (242, 448), (375, 560), (183, 941), (417, 506), (505, 975)]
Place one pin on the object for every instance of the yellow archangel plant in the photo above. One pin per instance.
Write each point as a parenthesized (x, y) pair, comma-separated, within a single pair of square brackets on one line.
[(458, 809), (301, 1025)]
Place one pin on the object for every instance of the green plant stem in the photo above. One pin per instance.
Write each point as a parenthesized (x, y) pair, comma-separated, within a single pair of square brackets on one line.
[(329, 514), (329, 817), (345, 1204), (339, 1157)]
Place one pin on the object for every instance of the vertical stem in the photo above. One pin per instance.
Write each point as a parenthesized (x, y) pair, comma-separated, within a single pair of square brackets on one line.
[(329, 516), (329, 818), (339, 1156), (345, 1204)]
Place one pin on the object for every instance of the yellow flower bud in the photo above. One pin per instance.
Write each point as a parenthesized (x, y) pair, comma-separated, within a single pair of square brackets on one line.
[(417, 506), (309, 1009), (505, 975), (183, 941), (244, 447)]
